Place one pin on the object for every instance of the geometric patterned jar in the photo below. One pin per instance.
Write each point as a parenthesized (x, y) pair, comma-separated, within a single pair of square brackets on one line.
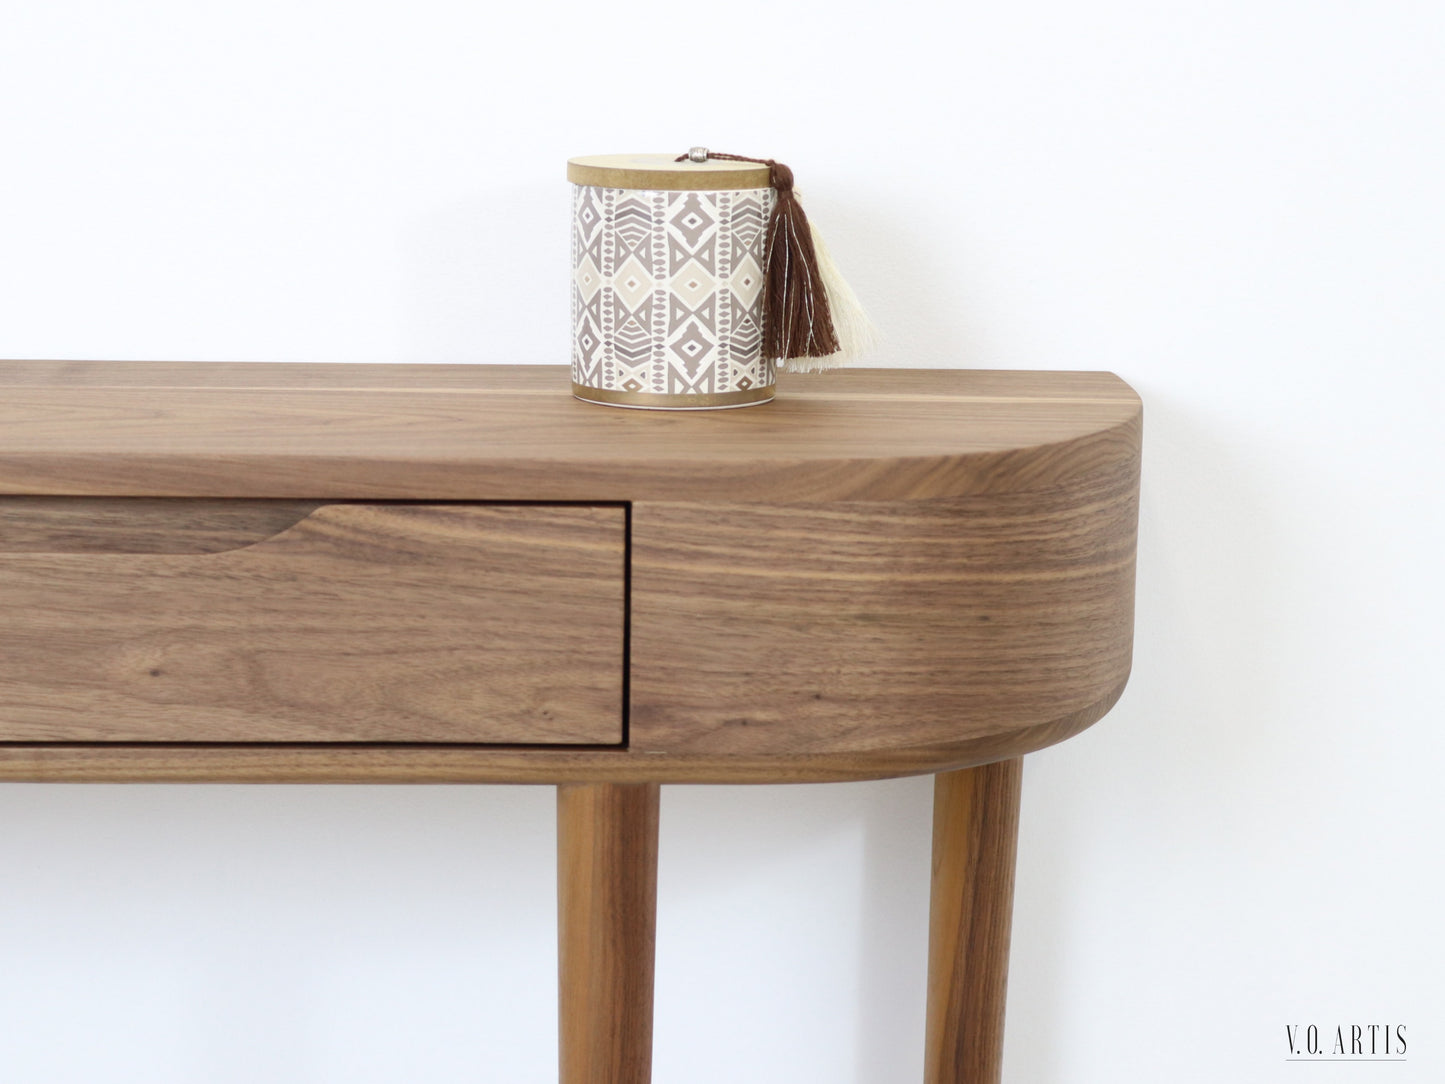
[(667, 282)]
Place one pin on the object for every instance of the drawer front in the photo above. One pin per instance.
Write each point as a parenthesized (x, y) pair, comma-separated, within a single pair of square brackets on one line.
[(342, 622)]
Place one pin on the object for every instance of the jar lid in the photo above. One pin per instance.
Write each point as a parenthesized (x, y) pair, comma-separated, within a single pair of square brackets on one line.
[(663, 171)]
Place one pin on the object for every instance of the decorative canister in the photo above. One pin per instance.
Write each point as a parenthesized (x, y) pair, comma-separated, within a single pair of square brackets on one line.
[(667, 281)]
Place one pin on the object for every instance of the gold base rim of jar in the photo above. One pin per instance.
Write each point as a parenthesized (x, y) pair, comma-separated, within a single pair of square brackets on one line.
[(656, 400)]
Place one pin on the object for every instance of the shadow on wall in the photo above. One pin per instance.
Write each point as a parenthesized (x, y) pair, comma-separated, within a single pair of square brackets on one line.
[(792, 932), (893, 940), (1162, 787), (240, 933)]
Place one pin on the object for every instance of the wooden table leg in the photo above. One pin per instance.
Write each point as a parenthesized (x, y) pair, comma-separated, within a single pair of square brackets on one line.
[(975, 839), (606, 927)]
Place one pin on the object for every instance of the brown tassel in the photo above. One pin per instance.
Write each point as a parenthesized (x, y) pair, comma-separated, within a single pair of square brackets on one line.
[(797, 322)]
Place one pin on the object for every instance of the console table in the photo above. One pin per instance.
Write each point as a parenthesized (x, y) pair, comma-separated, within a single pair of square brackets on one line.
[(218, 572)]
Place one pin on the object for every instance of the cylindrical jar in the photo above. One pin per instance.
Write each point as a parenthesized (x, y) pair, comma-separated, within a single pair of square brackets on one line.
[(667, 282)]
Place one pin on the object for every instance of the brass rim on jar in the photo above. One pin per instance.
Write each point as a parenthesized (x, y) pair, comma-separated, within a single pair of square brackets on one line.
[(650, 400)]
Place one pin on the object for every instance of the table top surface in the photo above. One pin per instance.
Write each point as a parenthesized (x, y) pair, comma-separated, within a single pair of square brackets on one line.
[(937, 565), (509, 432)]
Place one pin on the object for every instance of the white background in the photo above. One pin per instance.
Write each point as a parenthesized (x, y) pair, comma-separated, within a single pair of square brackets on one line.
[(1235, 205)]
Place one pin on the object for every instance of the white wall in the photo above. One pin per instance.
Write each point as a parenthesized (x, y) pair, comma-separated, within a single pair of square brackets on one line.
[(1235, 205)]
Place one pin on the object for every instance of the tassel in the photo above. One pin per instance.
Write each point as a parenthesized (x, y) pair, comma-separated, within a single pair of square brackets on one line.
[(806, 303), (854, 331), (797, 322)]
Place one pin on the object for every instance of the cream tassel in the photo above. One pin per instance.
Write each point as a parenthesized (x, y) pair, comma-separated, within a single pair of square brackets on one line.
[(856, 334)]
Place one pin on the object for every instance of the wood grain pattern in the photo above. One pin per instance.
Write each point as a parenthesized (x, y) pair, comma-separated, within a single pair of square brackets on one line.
[(359, 623), (142, 524), (975, 839), (515, 433), (850, 627), (882, 573), (606, 927), (885, 572), (414, 763)]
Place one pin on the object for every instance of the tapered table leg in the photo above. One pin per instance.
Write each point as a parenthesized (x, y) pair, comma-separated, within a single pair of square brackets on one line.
[(607, 924), (975, 839)]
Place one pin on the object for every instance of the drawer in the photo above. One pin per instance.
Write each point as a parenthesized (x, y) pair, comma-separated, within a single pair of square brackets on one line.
[(134, 620)]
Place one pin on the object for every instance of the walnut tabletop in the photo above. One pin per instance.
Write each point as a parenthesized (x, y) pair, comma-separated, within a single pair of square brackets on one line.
[(880, 572), (512, 432), (236, 572)]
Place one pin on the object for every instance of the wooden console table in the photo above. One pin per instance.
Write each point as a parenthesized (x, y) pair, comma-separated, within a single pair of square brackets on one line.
[(389, 573)]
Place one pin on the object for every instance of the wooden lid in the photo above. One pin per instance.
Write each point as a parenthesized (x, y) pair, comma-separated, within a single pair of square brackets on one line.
[(662, 171)]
